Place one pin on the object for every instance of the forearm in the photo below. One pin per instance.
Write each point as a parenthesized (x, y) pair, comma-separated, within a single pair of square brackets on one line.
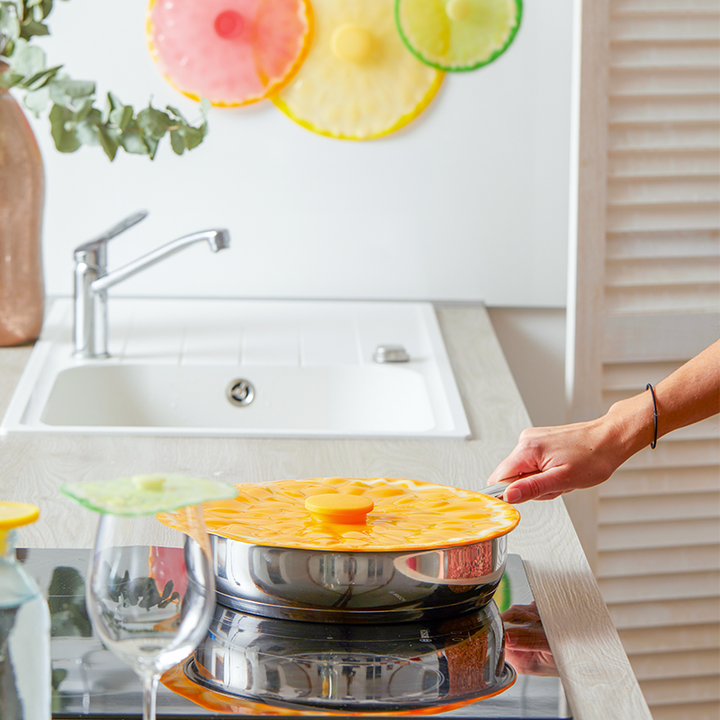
[(554, 460), (690, 394)]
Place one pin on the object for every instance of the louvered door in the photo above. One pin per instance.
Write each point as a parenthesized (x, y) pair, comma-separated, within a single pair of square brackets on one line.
[(646, 299)]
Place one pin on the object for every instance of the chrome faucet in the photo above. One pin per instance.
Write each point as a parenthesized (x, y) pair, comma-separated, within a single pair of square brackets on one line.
[(92, 281)]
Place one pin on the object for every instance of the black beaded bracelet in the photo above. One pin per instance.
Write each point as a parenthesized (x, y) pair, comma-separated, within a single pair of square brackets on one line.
[(655, 414)]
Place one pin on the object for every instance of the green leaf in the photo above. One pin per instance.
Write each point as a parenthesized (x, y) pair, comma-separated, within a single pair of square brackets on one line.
[(109, 107), (65, 141), (27, 59), (42, 78), (46, 6), (114, 100), (108, 141), (9, 25), (176, 142), (81, 108), (78, 88), (176, 113), (121, 116), (87, 133), (10, 79), (32, 28), (154, 123), (37, 101), (192, 136), (57, 93), (152, 146), (132, 142)]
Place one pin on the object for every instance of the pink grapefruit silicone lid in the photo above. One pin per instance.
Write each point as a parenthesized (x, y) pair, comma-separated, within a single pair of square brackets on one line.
[(232, 52)]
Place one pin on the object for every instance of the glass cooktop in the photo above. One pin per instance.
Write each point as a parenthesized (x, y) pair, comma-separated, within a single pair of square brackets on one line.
[(488, 664)]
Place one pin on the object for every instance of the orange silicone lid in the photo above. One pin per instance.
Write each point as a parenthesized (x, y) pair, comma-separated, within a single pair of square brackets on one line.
[(375, 514)]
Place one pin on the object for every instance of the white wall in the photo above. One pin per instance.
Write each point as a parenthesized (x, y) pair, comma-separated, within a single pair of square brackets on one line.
[(533, 341), (468, 203)]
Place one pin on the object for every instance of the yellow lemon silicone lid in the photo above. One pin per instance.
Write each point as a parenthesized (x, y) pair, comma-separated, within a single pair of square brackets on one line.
[(147, 494), (458, 35), (358, 80)]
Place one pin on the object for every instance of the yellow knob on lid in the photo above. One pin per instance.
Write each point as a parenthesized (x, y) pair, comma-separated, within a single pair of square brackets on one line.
[(352, 43), (338, 507)]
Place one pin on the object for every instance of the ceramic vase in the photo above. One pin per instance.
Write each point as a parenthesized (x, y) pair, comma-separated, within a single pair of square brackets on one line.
[(22, 193)]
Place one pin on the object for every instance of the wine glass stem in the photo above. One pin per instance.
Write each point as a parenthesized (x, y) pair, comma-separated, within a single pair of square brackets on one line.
[(150, 683)]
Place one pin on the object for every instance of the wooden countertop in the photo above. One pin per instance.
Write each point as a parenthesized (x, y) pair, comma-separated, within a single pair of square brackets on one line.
[(595, 671)]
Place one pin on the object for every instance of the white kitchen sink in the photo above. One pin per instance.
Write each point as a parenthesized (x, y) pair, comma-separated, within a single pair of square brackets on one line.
[(309, 363)]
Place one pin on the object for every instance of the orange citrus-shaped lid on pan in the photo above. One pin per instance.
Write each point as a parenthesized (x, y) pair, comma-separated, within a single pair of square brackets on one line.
[(374, 514), (232, 52), (358, 81)]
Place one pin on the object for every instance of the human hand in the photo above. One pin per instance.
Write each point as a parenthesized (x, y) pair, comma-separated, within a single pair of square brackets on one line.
[(550, 461), (526, 645)]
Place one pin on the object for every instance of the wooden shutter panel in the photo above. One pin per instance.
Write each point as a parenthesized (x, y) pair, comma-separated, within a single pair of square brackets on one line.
[(645, 300)]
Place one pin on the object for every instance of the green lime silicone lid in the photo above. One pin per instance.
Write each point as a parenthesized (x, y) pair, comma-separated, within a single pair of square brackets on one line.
[(147, 494), (458, 35)]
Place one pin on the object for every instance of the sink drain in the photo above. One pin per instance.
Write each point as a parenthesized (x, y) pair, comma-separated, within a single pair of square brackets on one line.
[(240, 392)]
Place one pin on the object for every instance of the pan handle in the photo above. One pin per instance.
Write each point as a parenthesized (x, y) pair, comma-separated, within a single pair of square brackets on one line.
[(495, 490)]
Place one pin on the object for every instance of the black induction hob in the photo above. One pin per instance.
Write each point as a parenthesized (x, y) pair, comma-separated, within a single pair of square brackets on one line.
[(89, 681)]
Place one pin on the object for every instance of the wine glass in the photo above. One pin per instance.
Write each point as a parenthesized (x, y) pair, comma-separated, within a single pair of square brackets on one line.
[(151, 591)]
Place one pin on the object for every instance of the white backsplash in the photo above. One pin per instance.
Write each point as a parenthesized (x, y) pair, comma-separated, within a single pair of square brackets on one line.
[(469, 202)]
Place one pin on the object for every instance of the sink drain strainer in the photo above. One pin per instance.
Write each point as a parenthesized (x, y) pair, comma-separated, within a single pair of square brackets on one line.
[(240, 392)]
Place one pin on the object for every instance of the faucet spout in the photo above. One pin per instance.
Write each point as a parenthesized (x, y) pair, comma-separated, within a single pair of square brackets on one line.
[(92, 281), (216, 239)]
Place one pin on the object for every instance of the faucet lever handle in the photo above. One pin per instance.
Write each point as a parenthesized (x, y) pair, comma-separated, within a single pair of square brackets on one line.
[(93, 246)]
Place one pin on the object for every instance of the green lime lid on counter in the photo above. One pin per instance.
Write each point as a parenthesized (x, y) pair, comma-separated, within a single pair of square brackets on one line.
[(147, 494)]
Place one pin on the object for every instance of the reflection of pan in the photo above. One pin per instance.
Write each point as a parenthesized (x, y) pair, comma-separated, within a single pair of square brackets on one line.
[(363, 668)]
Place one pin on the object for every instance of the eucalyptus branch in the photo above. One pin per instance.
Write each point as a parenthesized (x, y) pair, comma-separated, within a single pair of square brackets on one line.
[(74, 119)]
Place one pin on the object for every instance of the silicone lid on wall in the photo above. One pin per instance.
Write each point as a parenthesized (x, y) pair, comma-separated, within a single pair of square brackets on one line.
[(340, 68), (232, 52), (458, 35), (358, 81)]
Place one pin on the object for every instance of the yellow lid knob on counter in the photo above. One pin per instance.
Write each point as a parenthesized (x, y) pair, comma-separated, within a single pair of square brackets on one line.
[(15, 514)]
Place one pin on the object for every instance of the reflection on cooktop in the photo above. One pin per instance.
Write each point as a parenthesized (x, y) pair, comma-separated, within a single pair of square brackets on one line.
[(458, 668), (359, 667)]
